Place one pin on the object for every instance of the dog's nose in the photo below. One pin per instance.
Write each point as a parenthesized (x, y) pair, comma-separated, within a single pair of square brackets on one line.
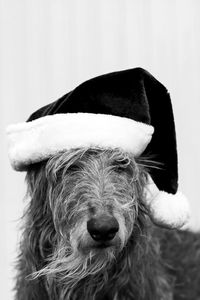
[(102, 228)]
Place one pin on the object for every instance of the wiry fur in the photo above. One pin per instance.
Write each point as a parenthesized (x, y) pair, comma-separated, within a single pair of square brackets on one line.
[(58, 259)]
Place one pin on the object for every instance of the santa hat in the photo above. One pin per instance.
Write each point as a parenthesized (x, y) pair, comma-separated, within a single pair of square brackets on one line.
[(129, 110)]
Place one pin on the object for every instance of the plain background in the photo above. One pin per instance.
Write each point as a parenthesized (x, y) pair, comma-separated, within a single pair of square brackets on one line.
[(48, 47)]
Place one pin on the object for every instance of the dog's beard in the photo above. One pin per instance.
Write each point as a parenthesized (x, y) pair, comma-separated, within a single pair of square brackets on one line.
[(73, 262), (78, 262)]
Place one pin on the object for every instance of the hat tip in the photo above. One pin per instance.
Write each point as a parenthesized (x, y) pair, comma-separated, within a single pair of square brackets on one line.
[(170, 210)]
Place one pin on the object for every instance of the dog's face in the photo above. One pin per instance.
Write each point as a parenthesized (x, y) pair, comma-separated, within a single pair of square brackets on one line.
[(94, 197)]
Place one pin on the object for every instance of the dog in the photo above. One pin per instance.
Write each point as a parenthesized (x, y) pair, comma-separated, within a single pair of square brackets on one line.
[(87, 234)]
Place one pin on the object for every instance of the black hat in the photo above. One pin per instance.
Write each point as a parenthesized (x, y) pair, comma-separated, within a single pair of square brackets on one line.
[(130, 110)]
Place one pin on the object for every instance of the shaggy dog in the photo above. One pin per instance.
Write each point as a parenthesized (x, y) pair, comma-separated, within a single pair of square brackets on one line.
[(87, 234)]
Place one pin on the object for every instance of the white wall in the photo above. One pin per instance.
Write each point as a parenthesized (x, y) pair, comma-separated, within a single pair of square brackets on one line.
[(48, 47)]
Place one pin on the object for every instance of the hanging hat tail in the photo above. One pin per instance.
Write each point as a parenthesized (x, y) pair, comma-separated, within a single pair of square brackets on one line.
[(165, 209)]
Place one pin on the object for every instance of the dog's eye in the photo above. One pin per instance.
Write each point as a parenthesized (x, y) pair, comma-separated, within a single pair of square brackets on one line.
[(122, 165), (73, 168)]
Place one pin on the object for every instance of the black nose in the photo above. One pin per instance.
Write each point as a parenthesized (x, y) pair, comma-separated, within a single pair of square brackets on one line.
[(102, 228)]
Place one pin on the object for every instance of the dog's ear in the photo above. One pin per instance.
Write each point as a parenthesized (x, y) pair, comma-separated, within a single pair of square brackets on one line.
[(166, 210)]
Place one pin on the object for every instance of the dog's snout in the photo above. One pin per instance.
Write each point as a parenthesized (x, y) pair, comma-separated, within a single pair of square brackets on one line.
[(102, 228)]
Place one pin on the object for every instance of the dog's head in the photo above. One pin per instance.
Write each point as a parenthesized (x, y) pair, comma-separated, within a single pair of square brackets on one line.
[(94, 196), (87, 206)]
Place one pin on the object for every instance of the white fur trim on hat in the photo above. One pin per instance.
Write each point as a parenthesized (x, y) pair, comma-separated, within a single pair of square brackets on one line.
[(166, 210), (31, 142)]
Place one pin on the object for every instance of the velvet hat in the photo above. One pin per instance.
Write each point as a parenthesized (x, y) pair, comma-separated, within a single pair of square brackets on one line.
[(130, 110)]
